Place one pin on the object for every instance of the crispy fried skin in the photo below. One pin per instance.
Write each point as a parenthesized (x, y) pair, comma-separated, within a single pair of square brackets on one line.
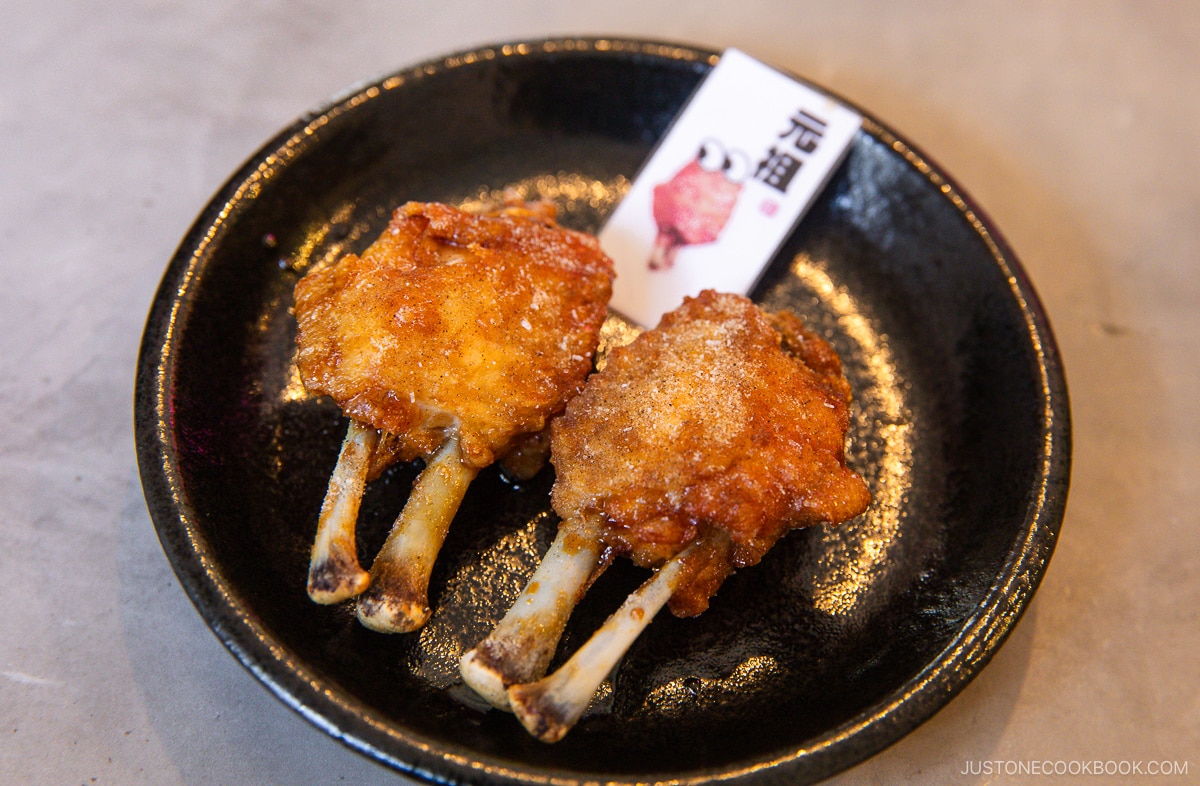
[(722, 417), (484, 323)]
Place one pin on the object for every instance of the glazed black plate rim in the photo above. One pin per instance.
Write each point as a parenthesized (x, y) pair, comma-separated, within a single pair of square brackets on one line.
[(236, 625)]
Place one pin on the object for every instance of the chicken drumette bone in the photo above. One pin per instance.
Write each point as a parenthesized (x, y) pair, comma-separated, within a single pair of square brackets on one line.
[(454, 338), (692, 452)]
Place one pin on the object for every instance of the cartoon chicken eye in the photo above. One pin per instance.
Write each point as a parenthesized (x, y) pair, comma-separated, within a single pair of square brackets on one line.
[(711, 156), (733, 164), (736, 166)]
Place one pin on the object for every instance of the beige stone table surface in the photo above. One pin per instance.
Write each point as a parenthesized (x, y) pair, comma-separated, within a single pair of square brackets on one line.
[(1076, 125)]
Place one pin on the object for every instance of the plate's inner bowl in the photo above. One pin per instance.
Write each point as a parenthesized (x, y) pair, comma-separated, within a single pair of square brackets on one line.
[(948, 426)]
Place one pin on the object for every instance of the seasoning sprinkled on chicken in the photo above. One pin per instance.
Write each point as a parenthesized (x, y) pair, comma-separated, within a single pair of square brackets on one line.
[(697, 447)]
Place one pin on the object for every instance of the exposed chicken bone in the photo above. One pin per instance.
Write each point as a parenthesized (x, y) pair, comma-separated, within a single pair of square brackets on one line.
[(549, 707), (333, 572), (398, 598), (523, 643)]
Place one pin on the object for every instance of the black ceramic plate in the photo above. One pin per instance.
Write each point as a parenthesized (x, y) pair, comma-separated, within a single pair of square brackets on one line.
[(840, 642)]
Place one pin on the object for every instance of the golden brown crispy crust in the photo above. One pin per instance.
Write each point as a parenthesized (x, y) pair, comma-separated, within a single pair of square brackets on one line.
[(484, 323), (722, 417)]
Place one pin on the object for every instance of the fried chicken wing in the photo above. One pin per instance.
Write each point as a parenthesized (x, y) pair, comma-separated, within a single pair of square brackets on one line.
[(455, 337), (695, 449), (721, 417)]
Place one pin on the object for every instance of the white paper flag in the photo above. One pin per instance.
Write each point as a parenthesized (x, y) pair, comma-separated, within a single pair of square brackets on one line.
[(723, 189)]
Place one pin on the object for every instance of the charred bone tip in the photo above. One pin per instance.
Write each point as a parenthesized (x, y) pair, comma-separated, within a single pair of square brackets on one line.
[(336, 579), (546, 720), (480, 673), (384, 614)]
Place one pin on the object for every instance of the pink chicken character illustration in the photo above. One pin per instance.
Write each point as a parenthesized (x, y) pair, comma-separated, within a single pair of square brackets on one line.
[(693, 206)]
